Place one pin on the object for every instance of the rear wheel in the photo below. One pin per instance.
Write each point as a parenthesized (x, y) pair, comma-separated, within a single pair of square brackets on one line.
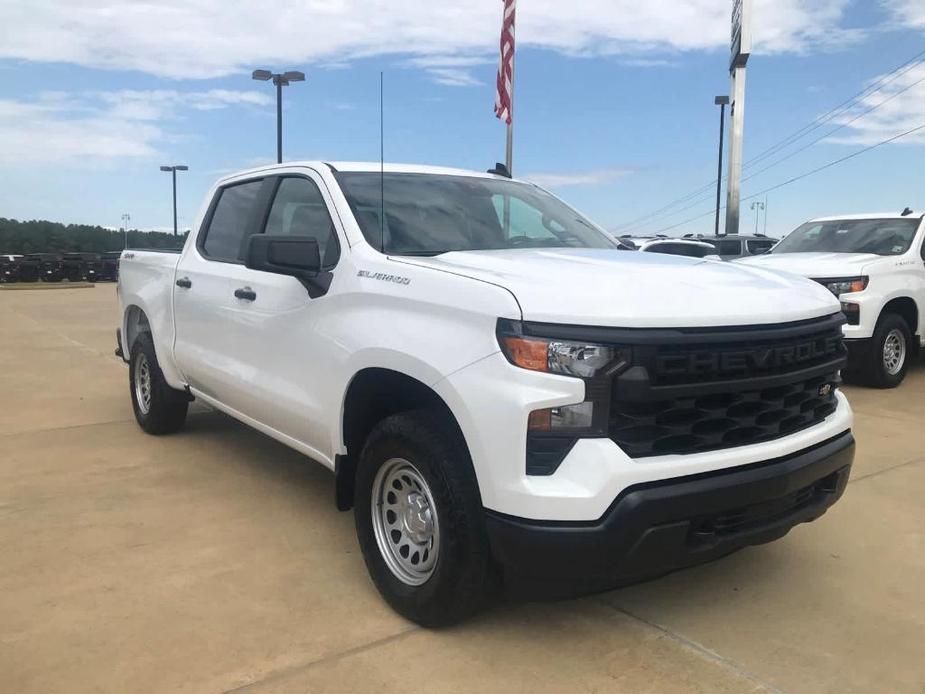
[(159, 409), (419, 520), (890, 350)]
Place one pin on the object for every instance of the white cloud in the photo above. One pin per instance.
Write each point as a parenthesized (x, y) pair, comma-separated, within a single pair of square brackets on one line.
[(907, 12), (211, 38), (60, 127), (581, 178), (900, 106)]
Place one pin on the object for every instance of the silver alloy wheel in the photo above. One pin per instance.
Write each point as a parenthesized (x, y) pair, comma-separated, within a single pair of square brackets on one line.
[(405, 522), (143, 383), (894, 351)]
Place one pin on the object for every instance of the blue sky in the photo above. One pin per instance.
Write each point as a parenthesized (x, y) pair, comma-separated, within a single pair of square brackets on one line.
[(614, 100)]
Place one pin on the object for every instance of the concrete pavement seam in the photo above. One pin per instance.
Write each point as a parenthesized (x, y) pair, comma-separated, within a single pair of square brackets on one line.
[(285, 672), (875, 473), (698, 648), (65, 428)]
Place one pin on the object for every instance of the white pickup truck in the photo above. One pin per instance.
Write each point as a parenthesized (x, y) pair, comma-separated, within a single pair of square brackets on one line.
[(875, 264), (502, 394)]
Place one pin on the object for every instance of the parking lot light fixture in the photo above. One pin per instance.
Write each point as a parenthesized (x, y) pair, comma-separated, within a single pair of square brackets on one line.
[(722, 102), (280, 79), (173, 171)]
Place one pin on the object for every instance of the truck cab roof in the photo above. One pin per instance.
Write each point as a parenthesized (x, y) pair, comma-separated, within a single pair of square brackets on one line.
[(367, 167)]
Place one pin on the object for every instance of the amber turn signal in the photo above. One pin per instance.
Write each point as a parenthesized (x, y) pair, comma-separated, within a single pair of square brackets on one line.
[(527, 353)]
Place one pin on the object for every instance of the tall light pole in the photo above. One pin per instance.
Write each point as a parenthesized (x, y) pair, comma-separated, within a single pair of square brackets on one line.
[(126, 218), (173, 170), (720, 101), (280, 80)]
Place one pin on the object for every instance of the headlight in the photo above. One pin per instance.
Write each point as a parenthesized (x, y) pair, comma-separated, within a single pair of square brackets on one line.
[(845, 286), (579, 359)]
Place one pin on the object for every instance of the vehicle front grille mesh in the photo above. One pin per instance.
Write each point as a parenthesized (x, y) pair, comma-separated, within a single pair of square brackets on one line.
[(719, 389)]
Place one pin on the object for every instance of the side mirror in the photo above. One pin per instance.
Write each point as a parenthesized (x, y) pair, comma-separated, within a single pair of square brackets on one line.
[(297, 256)]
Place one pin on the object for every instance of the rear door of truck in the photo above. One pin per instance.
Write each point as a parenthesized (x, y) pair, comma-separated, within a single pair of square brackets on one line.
[(203, 292)]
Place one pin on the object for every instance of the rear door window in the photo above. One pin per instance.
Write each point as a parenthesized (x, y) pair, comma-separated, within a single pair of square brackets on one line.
[(231, 218)]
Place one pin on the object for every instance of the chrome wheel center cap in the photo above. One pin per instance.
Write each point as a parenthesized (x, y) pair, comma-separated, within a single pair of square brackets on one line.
[(416, 517)]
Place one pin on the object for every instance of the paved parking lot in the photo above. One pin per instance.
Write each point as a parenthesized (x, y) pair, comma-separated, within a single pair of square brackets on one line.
[(214, 561)]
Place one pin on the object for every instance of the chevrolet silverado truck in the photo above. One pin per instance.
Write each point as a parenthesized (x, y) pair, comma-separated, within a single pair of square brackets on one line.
[(504, 396), (875, 265)]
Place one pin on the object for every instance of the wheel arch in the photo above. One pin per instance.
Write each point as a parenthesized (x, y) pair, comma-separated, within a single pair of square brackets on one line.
[(906, 308), (373, 394), (134, 322)]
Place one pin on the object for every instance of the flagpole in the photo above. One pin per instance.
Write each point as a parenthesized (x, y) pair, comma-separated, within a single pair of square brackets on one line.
[(509, 152)]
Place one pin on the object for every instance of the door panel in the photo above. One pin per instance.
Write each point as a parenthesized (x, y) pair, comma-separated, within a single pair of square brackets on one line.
[(276, 345)]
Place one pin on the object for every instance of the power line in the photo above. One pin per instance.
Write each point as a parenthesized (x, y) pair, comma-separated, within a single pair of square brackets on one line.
[(826, 117), (828, 134), (805, 174), (899, 71), (835, 130)]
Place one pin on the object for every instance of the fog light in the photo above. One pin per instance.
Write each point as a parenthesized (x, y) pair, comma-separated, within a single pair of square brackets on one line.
[(852, 312), (562, 419)]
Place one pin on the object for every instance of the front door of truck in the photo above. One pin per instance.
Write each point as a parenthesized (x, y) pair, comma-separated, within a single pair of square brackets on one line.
[(276, 341)]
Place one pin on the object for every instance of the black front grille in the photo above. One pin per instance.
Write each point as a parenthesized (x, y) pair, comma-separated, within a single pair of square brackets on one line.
[(712, 393)]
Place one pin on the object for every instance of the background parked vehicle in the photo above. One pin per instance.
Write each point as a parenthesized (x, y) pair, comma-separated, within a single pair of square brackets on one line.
[(9, 267), (109, 271), (875, 264), (737, 245), (49, 266), (672, 246), (76, 266), (30, 267)]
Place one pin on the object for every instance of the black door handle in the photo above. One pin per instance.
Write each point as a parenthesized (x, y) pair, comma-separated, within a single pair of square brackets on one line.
[(246, 293), (184, 282)]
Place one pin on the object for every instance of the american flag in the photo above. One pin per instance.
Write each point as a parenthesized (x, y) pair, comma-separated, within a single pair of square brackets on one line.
[(505, 82)]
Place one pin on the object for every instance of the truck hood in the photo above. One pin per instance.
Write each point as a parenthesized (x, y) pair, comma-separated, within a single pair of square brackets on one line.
[(816, 265), (626, 289)]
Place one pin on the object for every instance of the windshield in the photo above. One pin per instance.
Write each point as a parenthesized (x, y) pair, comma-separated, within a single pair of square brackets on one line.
[(428, 214), (880, 236)]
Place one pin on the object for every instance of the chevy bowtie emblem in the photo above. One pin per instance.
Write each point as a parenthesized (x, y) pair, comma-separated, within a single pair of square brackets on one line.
[(825, 390)]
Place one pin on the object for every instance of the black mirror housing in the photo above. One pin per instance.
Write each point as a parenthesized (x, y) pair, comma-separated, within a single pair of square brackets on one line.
[(297, 256)]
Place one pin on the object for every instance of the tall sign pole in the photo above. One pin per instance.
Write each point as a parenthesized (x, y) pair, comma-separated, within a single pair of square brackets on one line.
[(741, 49)]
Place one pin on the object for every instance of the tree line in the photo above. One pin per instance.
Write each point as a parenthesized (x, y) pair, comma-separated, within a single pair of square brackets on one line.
[(42, 236)]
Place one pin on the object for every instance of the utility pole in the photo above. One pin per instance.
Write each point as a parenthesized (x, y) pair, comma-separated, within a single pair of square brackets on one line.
[(173, 170), (280, 79), (741, 49), (720, 101)]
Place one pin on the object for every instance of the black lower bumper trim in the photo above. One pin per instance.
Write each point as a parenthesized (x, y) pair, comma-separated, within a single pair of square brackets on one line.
[(654, 528)]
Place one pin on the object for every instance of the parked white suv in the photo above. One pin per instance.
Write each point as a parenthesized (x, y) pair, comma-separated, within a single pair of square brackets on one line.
[(501, 392), (875, 264)]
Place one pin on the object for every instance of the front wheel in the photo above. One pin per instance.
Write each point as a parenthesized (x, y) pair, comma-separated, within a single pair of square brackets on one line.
[(419, 520), (159, 409), (890, 350)]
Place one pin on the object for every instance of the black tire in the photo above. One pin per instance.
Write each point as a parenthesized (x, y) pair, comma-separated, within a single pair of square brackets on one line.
[(166, 407), (462, 576), (875, 372)]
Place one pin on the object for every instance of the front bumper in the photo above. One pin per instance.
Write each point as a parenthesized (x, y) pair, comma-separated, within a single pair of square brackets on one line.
[(657, 527)]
